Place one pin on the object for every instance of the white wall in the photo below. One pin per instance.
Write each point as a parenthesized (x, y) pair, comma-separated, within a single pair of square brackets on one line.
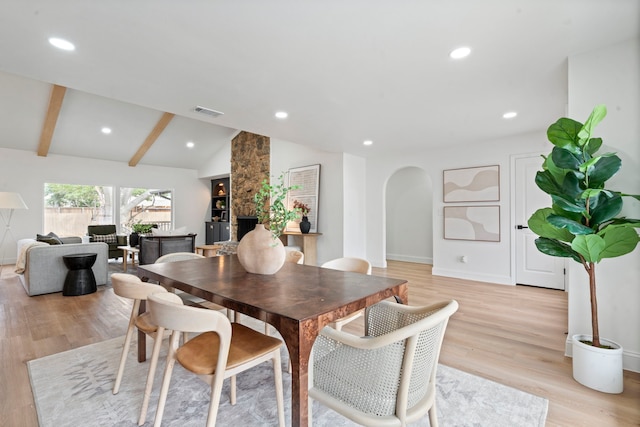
[(610, 76), (409, 216), (219, 164), (286, 155), (26, 173), (354, 212), (487, 261)]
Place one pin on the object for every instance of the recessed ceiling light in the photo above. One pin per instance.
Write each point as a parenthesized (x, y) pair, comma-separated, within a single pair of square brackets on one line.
[(459, 53), (61, 43), (367, 142), (106, 130), (510, 115), (190, 144), (282, 114)]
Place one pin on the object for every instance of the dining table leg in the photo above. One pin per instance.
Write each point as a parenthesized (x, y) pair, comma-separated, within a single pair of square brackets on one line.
[(142, 337), (299, 338)]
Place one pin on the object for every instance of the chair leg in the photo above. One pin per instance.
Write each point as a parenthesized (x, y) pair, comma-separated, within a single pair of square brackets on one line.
[(157, 344), (232, 397), (277, 374), (166, 380), (433, 415), (125, 348), (216, 391)]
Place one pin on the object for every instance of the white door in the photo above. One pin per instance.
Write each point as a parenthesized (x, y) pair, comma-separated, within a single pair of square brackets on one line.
[(532, 266)]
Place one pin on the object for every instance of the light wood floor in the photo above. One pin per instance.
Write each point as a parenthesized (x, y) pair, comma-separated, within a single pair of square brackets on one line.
[(512, 335)]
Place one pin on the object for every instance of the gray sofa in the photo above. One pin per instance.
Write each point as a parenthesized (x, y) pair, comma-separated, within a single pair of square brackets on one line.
[(44, 270)]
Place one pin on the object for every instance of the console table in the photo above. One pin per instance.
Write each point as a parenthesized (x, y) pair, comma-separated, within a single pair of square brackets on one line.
[(309, 244)]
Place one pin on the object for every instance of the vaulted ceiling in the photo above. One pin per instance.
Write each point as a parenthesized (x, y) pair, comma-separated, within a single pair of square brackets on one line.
[(345, 71)]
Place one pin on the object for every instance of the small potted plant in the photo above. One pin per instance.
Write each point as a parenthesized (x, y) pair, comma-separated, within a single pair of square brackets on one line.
[(303, 208), (261, 251), (136, 230), (583, 224)]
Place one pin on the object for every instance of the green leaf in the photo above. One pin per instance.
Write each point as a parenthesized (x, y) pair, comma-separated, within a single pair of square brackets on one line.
[(593, 146), (569, 205), (564, 134), (547, 183), (599, 112), (566, 159), (539, 225), (571, 186), (619, 240), (603, 169), (590, 246), (556, 248), (606, 209), (573, 227)]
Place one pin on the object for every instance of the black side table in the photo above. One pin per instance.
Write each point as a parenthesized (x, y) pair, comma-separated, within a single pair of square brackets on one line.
[(80, 278)]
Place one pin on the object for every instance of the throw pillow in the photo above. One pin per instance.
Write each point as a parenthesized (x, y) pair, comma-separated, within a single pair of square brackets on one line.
[(50, 238), (106, 238)]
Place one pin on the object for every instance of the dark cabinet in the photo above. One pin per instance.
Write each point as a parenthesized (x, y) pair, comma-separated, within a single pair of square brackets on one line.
[(219, 228), (217, 232)]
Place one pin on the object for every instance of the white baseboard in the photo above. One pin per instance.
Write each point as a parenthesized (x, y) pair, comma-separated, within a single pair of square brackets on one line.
[(630, 359), (410, 258), (501, 280)]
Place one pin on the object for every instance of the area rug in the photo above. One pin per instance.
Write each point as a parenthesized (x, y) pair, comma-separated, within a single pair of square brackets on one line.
[(73, 388)]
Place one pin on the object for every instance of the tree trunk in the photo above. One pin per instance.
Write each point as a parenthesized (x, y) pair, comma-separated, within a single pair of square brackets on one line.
[(594, 305)]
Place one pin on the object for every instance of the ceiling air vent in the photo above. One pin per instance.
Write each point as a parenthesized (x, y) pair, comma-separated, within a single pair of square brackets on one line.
[(207, 111)]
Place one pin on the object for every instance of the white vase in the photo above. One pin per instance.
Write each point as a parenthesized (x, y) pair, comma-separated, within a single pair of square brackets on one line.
[(260, 253), (598, 368)]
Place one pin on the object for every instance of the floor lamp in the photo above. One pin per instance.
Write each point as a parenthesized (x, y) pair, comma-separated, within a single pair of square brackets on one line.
[(8, 201)]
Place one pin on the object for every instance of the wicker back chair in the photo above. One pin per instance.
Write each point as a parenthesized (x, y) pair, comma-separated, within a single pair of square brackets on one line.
[(387, 377)]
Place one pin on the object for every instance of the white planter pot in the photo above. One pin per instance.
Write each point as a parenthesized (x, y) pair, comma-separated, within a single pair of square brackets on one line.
[(598, 368), (259, 253)]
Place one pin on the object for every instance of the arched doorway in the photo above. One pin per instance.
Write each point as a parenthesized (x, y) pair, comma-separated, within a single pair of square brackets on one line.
[(409, 216)]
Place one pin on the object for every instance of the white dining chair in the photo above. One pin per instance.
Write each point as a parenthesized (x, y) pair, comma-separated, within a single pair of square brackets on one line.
[(221, 350), (356, 265)]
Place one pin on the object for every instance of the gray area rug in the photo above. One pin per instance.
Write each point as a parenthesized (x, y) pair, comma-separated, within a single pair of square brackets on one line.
[(73, 388)]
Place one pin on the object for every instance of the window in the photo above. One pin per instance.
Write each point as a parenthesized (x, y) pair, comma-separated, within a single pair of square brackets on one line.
[(146, 206), (70, 208)]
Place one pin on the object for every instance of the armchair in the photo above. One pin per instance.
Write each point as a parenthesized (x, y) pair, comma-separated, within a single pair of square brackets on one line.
[(387, 377), (107, 234)]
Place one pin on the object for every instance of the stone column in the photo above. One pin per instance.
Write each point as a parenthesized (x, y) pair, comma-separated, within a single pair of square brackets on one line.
[(250, 165)]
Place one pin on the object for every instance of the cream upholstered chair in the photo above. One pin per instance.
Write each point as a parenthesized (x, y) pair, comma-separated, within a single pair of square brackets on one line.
[(295, 257), (387, 378), (222, 350), (356, 265)]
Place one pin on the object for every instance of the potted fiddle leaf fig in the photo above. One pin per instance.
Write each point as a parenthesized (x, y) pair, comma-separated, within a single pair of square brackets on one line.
[(582, 223), (261, 251)]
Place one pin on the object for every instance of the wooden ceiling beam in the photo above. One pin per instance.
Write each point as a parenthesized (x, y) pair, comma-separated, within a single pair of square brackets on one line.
[(155, 133), (55, 104)]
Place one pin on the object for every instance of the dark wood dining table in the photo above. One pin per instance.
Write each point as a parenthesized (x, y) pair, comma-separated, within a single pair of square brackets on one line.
[(299, 300)]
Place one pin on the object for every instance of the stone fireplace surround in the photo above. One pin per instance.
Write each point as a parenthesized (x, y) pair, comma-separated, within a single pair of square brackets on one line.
[(250, 165)]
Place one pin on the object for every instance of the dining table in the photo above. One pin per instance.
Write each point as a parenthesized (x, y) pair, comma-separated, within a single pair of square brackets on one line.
[(298, 301)]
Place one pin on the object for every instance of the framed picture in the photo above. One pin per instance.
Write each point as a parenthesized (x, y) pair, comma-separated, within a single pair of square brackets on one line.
[(223, 216), (308, 179), (480, 223), (478, 184)]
